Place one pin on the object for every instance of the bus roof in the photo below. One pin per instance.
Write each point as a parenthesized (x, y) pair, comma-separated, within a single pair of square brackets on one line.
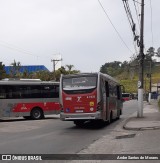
[(20, 79), (106, 76), (79, 74), (26, 82)]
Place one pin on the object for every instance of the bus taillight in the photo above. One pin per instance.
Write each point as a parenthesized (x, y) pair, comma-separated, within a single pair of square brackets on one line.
[(99, 106)]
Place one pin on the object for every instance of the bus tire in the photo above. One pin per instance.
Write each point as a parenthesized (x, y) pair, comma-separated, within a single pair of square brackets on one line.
[(79, 123), (110, 118), (27, 117), (120, 111), (118, 114), (37, 113)]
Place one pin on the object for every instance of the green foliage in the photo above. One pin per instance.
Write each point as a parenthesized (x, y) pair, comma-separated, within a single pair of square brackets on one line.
[(114, 68), (65, 71), (15, 70), (2, 71), (130, 85), (127, 72)]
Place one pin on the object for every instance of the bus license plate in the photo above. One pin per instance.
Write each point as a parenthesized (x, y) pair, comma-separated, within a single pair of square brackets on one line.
[(79, 111)]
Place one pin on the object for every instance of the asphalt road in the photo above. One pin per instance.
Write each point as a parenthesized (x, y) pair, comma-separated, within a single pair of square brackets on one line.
[(52, 136)]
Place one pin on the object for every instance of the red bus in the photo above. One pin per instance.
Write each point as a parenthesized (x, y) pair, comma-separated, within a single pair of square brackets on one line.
[(28, 98), (126, 96), (89, 96)]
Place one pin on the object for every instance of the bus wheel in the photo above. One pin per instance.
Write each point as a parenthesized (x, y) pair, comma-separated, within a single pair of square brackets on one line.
[(79, 123), (36, 113), (118, 114), (27, 117), (110, 118)]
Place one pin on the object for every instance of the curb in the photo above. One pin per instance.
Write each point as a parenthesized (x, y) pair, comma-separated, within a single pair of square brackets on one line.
[(138, 128), (141, 128), (132, 116)]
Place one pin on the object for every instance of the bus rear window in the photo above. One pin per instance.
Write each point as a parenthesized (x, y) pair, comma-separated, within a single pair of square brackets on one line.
[(79, 84)]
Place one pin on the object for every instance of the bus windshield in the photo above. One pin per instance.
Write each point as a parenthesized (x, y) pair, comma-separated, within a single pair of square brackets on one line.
[(79, 83), (125, 95)]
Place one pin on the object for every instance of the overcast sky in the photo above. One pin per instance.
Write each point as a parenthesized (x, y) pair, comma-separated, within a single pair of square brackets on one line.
[(35, 31)]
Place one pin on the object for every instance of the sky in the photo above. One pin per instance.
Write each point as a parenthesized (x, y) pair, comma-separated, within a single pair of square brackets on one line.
[(34, 32)]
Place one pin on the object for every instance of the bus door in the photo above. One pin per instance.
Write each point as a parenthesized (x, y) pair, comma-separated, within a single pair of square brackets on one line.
[(119, 100), (50, 94), (112, 101), (5, 108), (107, 100), (104, 100)]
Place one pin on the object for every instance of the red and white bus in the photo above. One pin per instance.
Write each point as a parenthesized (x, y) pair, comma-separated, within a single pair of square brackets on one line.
[(90, 96), (28, 98), (126, 96)]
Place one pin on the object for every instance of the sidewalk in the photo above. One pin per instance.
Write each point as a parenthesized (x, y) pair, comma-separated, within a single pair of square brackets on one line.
[(149, 121)]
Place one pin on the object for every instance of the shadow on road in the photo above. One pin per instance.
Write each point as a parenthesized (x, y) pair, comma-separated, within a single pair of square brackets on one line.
[(92, 125), (23, 119)]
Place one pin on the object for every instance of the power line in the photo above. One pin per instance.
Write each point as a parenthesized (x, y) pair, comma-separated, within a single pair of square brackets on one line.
[(137, 12), (114, 26), (131, 21), (13, 47), (128, 15), (151, 22)]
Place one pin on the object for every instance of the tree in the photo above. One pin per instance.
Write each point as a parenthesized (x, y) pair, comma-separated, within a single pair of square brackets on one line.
[(63, 71), (150, 52), (2, 71), (112, 68), (69, 68), (26, 74), (15, 69)]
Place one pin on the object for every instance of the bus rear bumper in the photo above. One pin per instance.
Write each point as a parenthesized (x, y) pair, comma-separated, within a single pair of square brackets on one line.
[(80, 116)]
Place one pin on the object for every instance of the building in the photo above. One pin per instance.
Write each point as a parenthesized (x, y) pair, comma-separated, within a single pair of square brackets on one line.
[(29, 68)]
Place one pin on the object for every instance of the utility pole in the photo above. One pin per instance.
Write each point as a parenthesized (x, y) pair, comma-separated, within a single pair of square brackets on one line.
[(141, 64), (55, 61)]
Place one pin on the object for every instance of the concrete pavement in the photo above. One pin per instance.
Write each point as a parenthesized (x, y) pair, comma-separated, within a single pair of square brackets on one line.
[(129, 138), (149, 121)]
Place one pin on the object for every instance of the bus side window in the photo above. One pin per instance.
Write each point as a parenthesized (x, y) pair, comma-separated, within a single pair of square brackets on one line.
[(51, 91), (16, 92), (46, 91), (35, 91), (107, 88), (2, 92), (56, 91), (114, 91), (27, 92), (110, 90), (9, 91), (118, 92)]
